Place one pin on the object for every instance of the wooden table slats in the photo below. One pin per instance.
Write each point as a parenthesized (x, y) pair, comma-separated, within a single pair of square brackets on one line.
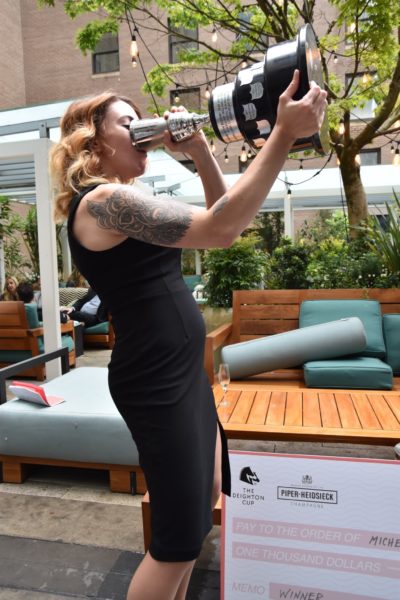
[(342, 415), (329, 412)]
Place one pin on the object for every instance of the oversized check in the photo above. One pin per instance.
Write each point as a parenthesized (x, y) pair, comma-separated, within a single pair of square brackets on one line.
[(311, 528)]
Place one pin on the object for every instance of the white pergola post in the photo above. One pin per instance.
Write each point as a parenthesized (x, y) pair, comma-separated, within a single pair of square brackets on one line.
[(288, 216), (39, 150), (66, 254)]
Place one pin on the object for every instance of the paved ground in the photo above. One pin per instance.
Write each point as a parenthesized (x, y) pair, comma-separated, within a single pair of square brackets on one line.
[(63, 534)]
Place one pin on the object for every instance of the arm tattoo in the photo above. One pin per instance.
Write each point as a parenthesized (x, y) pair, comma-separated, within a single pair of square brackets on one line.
[(219, 205), (154, 220)]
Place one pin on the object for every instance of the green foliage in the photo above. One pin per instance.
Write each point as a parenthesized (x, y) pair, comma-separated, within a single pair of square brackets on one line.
[(240, 267), (326, 224), (288, 266), (269, 228), (339, 264), (385, 241)]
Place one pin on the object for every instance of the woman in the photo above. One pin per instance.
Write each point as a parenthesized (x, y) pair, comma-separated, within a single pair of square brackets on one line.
[(127, 245), (10, 289)]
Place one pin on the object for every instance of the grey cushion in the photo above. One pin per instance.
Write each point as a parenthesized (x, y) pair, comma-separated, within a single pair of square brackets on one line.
[(87, 427), (391, 331), (313, 312), (293, 348), (360, 372)]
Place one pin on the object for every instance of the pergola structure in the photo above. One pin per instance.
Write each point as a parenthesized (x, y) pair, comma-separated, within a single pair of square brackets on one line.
[(26, 136)]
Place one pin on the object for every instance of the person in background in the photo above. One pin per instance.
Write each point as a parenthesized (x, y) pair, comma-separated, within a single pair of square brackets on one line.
[(10, 289), (25, 292), (76, 279), (119, 233), (88, 310)]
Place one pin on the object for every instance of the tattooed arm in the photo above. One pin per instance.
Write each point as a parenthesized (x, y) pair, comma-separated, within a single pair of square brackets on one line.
[(124, 211)]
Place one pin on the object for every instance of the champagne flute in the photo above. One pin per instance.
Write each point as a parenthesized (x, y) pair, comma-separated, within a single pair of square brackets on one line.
[(224, 380)]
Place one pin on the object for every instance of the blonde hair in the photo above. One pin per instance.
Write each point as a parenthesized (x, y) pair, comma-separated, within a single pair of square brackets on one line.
[(74, 163), (6, 294)]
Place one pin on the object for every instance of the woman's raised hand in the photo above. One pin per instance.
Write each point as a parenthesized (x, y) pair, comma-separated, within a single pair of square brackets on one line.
[(301, 118)]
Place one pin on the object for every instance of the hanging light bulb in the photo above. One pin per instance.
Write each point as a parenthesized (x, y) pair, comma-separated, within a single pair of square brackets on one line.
[(249, 153), (341, 127), (176, 97), (207, 93), (244, 64), (243, 154), (357, 159), (289, 194), (392, 148), (338, 161), (134, 51), (366, 78), (212, 146), (214, 36), (335, 58), (226, 157), (301, 164), (396, 157)]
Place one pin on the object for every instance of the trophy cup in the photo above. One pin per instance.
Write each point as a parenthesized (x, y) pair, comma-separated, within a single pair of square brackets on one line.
[(246, 109)]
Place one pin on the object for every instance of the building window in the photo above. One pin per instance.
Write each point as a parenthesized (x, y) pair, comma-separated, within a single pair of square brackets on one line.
[(178, 44), (105, 58), (370, 157), (187, 97)]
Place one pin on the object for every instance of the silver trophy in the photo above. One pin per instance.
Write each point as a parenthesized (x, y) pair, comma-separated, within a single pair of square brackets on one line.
[(246, 109), (147, 134)]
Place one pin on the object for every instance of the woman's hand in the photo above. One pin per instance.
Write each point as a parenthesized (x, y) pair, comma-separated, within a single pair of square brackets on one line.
[(301, 118), (194, 145)]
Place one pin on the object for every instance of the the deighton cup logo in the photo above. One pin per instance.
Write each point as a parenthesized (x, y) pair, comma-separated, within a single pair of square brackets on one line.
[(249, 476)]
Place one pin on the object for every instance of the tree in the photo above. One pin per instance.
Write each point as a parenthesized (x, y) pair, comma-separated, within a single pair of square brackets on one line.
[(365, 34), (10, 224)]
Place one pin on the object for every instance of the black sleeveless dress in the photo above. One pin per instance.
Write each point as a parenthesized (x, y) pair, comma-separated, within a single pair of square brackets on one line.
[(158, 383)]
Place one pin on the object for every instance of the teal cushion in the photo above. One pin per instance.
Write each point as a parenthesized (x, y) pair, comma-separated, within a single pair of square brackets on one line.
[(359, 373), (192, 280), (14, 356), (391, 331), (314, 312), (100, 328), (67, 342), (32, 315)]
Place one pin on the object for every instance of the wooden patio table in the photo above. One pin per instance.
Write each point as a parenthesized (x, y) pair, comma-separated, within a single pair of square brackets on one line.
[(252, 410)]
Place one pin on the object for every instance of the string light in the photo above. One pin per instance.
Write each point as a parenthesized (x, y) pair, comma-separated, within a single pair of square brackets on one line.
[(249, 153), (207, 93), (341, 127), (243, 154), (301, 164), (176, 97), (214, 36), (335, 58), (357, 159), (212, 146), (396, 157), (244, 64), (134, 51), (289, 194), (392, 148), (338, 161), (226, 157)]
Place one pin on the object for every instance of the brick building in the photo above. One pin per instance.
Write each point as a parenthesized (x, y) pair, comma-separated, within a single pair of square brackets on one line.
[(41, 64)]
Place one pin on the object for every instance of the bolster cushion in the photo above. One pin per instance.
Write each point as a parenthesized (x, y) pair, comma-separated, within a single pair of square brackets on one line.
[(313, 312), (293, 348)]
